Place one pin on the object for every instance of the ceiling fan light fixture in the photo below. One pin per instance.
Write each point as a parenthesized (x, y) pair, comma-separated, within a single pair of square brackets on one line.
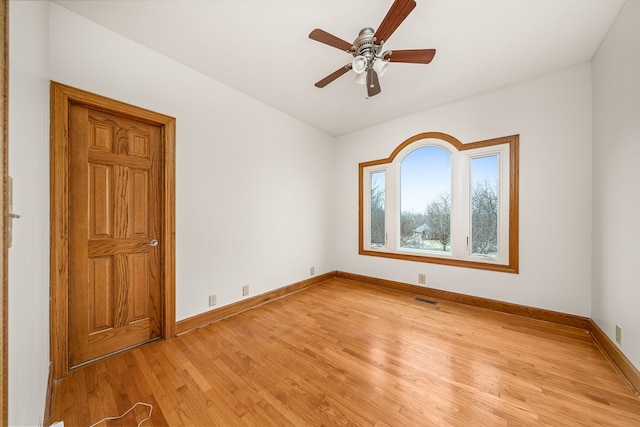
[(381, 66), (361, 78), (359, 64)]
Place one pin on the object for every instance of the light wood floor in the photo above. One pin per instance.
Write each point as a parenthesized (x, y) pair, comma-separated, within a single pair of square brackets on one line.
[(340, 353)]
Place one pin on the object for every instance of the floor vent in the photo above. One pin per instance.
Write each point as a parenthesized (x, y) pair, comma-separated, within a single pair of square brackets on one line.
[(428, 301)]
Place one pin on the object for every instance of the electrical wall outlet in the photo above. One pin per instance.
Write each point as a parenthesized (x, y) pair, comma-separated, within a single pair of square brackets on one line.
[(422, 279), (312, 271), (212, 300), (245, 290), (619, 334)]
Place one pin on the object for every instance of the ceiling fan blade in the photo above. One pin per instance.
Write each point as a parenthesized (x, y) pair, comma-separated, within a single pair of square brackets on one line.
[(412, 56), (329, 39), (399, 10), (373, 84), (331, 77)]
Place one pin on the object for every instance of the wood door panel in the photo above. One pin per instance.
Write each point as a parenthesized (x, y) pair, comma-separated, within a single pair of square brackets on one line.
[(100, 294), (121, 202), (100, 201), (110, 158), (98, 248), (139, 286), (121, 291), (139, 203), (128, 135), (101, 137), (138, 144), (115, 288)]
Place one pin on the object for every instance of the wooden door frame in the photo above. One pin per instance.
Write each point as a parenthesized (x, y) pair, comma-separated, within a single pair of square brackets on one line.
[(61, 97)]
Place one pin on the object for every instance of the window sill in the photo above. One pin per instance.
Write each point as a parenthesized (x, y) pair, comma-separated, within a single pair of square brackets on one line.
[(490, 266)]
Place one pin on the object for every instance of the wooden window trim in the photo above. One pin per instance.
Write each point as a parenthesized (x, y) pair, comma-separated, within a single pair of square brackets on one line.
[(513, 265), (61, 97)]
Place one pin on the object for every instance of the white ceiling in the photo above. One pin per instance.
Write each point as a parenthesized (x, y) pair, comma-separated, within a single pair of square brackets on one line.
[(262, 49)]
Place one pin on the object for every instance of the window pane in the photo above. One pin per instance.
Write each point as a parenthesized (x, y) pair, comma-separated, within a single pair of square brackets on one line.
[(377, 209), (484, 206), (425, 200)]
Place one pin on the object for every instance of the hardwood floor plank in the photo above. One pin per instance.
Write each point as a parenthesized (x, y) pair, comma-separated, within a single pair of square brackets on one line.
[(340, 353)]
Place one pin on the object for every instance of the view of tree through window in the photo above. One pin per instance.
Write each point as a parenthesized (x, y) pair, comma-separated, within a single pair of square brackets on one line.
[(484, 205), (425, 194), (377, 209)]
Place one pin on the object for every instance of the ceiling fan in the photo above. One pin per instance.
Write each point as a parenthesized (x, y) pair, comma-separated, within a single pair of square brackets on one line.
[(369, 60)]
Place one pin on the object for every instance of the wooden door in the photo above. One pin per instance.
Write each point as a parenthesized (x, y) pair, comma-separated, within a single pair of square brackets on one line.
[(115, 181)]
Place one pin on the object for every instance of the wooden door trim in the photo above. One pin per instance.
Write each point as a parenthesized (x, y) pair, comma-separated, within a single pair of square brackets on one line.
[(61, 97)]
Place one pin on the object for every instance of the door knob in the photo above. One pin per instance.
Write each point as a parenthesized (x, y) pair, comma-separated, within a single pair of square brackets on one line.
[(154, 242)]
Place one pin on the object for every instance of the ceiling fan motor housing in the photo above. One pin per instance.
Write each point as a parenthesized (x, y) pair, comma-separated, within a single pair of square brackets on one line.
[(365, 44)]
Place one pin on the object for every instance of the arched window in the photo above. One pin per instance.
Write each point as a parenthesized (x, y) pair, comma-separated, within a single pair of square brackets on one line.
[(438, 200)]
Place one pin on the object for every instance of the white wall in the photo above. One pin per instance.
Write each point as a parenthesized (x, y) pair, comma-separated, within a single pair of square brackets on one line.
[(616, 175), (29, 256), (552, 114), (252, 188)]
